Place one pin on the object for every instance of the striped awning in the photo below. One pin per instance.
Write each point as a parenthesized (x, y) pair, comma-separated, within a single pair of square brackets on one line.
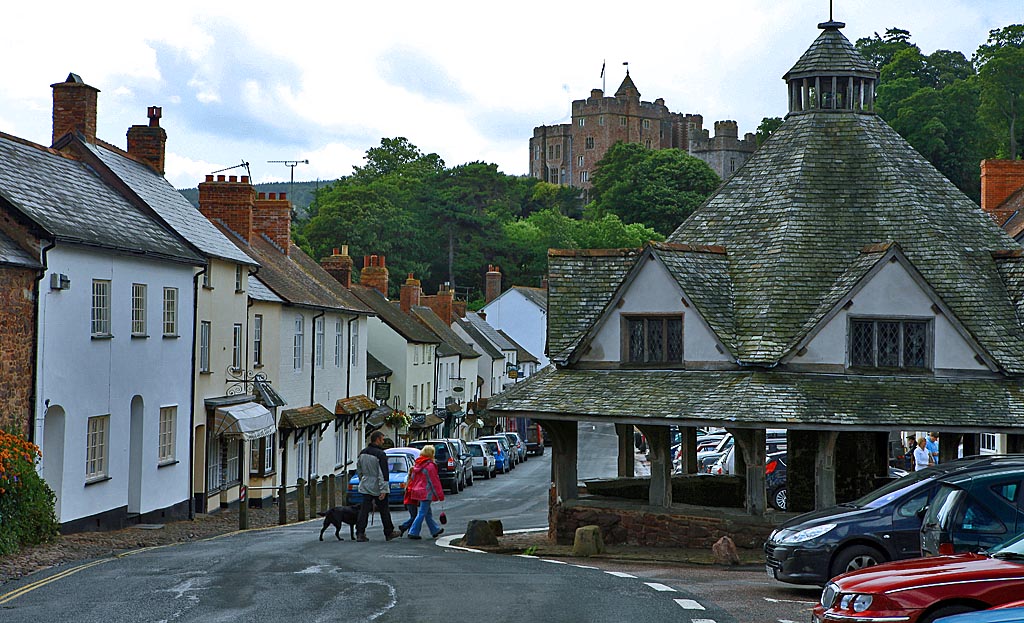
[(247, 420)]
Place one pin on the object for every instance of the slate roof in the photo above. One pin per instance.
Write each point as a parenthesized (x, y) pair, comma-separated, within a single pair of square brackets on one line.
[(537, 296), (451, 343), (831, 54), (489, 332), (775, 399), (302, 417), (479, 339), (374, 368), (13, 255), (522, 355), (393, 316), (353, 405), (172, 207), (627, 88), (70, 201), (258, 291)]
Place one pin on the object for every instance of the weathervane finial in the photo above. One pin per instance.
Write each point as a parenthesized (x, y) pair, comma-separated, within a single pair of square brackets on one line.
[(830, 11)]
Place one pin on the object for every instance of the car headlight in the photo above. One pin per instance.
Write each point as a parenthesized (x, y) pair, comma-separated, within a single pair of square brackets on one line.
[(808, 534), (396, 485), (862, 603)]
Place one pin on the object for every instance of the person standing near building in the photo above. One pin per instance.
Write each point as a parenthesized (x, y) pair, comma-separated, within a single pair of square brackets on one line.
[(908, 452), (424, 488), (932, 444), (921, 457), (372, 469)]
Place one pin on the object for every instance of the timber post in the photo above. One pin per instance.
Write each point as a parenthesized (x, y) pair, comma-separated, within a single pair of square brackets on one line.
[(659, 443), (332, 487), (282, 505), (825, 470), (300, 498), (627, 450), (750, 445), (314, 484)]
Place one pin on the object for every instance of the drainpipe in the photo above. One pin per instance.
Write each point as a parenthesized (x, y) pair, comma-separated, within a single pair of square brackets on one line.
[(348, 359), (192, 418), (36, 352)]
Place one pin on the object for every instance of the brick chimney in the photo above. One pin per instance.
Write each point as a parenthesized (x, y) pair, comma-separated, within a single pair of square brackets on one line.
[(409, 293), (272, 217), (374, 273), (230, 201), (74, 108), (459, 309), (999, 180), (147, 142), (492, 284), (339, 266), (441, 303)]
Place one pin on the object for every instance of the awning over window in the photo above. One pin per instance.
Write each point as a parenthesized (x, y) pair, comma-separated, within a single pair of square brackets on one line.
[(354, 405), (247, 420), (303, 417)]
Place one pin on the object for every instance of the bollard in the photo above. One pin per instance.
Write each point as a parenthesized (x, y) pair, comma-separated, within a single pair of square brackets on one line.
[(314, 484), (344, 488), (332, 490), (243, 509), (282, 505), (300, 498), (323, 494)]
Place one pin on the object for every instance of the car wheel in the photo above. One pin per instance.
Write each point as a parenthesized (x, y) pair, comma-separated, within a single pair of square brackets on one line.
[(778, 498), (946, 611), (487, 474), (856, 557)]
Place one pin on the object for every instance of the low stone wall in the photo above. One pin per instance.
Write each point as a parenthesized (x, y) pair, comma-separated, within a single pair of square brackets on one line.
[(681, 526)]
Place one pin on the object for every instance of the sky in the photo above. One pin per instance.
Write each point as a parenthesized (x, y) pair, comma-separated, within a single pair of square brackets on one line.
[(325, 81)]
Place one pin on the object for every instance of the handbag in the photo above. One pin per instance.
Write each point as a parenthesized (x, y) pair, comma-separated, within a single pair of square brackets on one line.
[(443, 518)]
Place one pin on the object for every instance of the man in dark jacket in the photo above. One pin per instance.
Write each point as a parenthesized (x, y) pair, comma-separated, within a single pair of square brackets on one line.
[(372, 469)]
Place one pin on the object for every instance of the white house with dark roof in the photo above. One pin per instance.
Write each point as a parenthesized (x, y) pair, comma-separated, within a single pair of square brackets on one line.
[(114, 355), (522, 313)]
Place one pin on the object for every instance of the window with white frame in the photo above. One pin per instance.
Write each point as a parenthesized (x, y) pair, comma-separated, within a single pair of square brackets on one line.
[(415, 397), (353, 346), (314, 455), (232, 464), (100, 307), (269, 446), (989, 443), (168, 420), (297, 342), (238, 278), (214, 473), (318, 347), (430, 352), (582, 122), (204, 346), (428, 403), (416, 354), (170, 311), (96, 443), (257, 340), (339, 446), (889, 343), (584, 176), (337, 343), (300, 455), (138, 309), (261, 456), (236, 346)]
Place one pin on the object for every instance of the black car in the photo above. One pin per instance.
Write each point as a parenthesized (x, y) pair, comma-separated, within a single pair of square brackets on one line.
[(974, 511), (881, 526), (775, 480), (447, 457)]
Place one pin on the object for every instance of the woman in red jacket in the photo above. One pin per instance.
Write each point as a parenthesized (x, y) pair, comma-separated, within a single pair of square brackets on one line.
[(424, 487)]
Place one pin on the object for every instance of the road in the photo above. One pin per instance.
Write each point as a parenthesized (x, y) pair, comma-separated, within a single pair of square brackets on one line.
[(286, 574)]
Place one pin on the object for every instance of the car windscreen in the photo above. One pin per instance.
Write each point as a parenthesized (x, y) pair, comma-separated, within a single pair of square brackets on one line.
[(894, 490), (494, 446), (476, 450), (441, 452), (397, 464)]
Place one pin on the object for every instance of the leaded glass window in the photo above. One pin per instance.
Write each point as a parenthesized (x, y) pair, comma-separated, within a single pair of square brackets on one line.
[(657, 339), (889, 344)]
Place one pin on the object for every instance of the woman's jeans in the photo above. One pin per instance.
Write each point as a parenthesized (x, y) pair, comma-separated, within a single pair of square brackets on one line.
[(424, 514)]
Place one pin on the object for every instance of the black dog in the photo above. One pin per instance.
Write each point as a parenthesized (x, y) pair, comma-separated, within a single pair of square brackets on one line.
[(336, 517)]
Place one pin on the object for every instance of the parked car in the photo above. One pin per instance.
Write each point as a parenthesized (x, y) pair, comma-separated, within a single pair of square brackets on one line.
[(726, 464), (775, 472), (1007, 613), (775, 440), (467, 460), (501, 465), (974, 511), (516, 442), (535, 441), (449, 463), (510, 455), (399, 465), (882, 526), (483, 460), (926, 589)]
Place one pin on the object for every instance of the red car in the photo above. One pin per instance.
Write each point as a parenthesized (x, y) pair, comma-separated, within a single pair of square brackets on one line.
[(925, 589)]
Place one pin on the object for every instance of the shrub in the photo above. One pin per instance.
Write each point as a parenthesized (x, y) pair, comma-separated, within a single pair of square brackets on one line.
[(26, 502)]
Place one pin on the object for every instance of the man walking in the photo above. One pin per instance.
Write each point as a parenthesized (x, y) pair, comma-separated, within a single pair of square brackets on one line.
[(372, 469), (933, 447)]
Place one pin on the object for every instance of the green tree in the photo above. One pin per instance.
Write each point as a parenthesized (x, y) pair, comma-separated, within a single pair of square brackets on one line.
[(658, 188), (397, 156), (881, 50), (767, 128), (1001, 76)]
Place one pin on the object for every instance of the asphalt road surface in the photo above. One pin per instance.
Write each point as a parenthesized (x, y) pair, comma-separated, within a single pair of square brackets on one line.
[(287, 574)]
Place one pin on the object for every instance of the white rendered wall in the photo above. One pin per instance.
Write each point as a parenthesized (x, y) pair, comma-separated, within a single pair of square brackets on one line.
[(892, 292), (521, 319), (655, 291), (88, 377)]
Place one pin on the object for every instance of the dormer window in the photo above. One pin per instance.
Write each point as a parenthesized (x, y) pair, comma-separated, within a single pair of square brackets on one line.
[(890, 343), (654, 339)]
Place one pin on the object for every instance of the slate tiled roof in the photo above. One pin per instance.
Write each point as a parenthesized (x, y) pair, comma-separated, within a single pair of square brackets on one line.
[(831, 54), (580, 284), (172, 207), (394, 317), (260, 292), (13, 255), (353, 405), (374, 368), (703, 275), (482, 342), (796, 216), (68, 200), (522, 355), (451, 343), (537, 296), (302, 417), (489, 332), (775, 399)]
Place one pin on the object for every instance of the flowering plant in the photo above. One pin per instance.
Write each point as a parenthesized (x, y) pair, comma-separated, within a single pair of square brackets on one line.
[(17, 458), (398, 419), (26, 502)]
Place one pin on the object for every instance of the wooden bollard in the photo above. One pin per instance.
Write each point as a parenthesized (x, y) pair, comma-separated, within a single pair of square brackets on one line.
[(243, 508), (282, 505), (300, 498), (331, 490), (314, 484), (344, 488)]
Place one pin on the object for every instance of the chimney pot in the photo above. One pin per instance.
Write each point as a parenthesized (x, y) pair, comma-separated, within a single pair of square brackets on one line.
[(233, 178), (221, 178), (245, 179), (334, 251), (209, 178), (283, 196), (344, 249), (261, 195), (154, 113)]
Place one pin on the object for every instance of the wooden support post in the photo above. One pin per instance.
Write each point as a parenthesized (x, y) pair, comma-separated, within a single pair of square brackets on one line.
[(972, 444), (314, 484), (332, 490), (1014, 444), (564, 446), (282, 505), (627, 451), (949, 446), (825, 470), (659, 443), (689, 449), (300, 498), (750, 445)]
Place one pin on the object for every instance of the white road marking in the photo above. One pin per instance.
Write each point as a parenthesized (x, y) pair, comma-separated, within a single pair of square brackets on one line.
[(555, 562), (620, 574), (660, 587), (702, 621), (786, 621), (789, 601), (585, 567), (688, 604), (526, 556)]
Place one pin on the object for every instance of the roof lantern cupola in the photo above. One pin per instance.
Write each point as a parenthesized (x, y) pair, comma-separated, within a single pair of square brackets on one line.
[(831, 76)]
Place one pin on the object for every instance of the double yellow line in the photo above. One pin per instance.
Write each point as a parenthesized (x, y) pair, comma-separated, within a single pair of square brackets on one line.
[(53, 578)]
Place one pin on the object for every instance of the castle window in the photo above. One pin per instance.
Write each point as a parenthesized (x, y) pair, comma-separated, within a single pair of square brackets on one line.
[(584, 176), (884, 343), (654, 339), (647, 143), (582, 122), (600, 120), (647, 124), (558, 152), (551, 152), (732, 165), (622, 121), (589, 142), (579, 161), (553, 176)]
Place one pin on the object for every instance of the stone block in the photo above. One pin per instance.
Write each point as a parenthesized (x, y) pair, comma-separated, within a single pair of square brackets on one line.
[(588, 542), (479, 532), (496, 527), (724, 552)]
